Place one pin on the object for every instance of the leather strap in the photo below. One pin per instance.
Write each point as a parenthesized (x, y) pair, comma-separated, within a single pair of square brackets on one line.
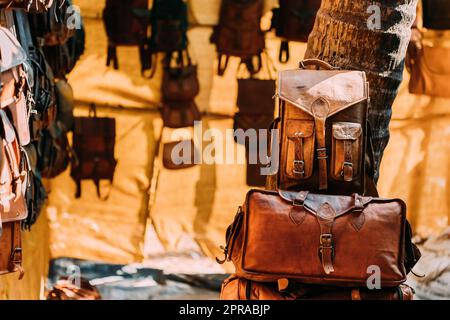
[(112, 56), (316, 63), (326, 215), (222, 66), (15, 262), (320, 109), (347, 167), (284, 53), (299, 159), (298, 213)]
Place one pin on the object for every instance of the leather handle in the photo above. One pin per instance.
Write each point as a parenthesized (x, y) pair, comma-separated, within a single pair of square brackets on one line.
[(316, 63)]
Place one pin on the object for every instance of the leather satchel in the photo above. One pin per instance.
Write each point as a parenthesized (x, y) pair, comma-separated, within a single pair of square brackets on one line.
[(93, 145), (319, 236), (436, 14), (126, 23), (13, 209), (293, 20), (324, 130), (239, 33), (235, 288), (429, 68)]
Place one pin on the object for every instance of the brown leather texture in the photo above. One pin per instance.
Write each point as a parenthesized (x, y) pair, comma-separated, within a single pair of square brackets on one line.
[(294, 20), (180, 114), (311, 238), (235, 288), (324, 131), (13, 209), (429, 68), (180, 83)]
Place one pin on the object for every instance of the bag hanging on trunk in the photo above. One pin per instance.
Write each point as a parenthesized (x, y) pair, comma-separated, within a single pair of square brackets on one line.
[(235, 288), (94, 141), (324, 141), (180, 86), (13, 208), (293, 20), (326, 240), (126, 24), (239, 33), (255, 111)]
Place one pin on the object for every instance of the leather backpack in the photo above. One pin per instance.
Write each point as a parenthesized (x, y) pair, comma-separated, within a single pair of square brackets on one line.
[(93, 146), (13, 209), (14, 83), (436, 14), (324, 132), (255, 111), (235, 288), (180, 86), (319, 236), (293, 20), (33, 6), (428, 66), (239, 33), (169, 22), (126, 24)]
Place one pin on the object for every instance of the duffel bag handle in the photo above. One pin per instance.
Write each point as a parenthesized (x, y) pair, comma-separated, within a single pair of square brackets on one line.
[(316, 63)]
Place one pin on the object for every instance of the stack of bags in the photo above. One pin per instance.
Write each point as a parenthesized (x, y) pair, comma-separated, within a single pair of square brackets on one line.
[(39, 46), (321, 232)]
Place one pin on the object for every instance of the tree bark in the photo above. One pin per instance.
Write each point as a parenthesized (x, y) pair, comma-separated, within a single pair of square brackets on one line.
[(342, 37)]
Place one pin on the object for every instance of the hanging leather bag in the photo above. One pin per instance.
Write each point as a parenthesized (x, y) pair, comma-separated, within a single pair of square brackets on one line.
[(428, 65), (13, 209), (327, 240), (93, 145), (239, 33), (293, 20), (324, 130)]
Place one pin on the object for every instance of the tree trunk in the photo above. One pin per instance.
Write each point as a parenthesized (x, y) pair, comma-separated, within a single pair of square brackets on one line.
[(342, 37)]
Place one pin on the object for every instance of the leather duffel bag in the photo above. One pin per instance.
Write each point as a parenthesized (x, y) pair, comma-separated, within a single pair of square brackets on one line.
[(235, 288), (319, 239)]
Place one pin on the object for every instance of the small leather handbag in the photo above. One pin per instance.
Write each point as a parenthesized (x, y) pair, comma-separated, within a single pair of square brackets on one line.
[(319, 239), (429, 67), (174, 157)]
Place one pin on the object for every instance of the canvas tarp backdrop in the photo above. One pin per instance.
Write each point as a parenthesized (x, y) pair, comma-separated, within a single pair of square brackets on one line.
[(189, 210)]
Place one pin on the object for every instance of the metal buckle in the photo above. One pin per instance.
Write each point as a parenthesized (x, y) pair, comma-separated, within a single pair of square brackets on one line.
[(301, 163), (322, 153), (346, 164), (326, 237), (15, 252)]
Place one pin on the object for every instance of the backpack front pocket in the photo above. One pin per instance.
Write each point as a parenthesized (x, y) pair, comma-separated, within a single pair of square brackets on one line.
[(300, 151), (346, 151)]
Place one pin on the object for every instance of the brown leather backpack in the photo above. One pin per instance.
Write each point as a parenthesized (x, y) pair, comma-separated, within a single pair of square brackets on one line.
[(319, 236), (127, 24), (180, 86), (239, 33), (293, 20), (235, 288), (13, 208), (93, 145), (324, 144)]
